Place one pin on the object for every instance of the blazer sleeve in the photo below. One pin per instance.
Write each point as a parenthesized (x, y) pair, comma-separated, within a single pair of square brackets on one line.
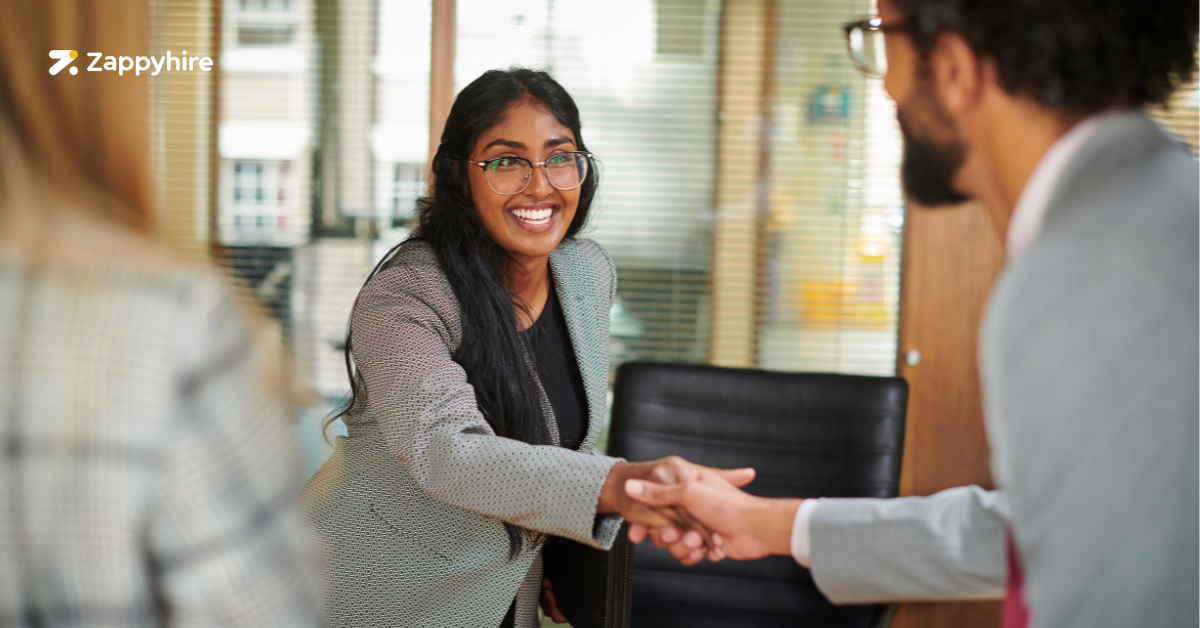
[(223, 517), (405, 327), (946, 546)]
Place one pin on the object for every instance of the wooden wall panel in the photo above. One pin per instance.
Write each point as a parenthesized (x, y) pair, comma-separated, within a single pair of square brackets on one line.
[(734, 262), (441, 71), (951, 258)]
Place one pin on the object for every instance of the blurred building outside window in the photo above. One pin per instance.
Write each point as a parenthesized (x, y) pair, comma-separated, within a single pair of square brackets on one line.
[(407, 184)]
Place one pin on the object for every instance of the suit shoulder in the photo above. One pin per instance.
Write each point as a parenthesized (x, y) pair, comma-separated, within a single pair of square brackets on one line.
[(587, 254), (412, 272), (413, 264), (584, 246)]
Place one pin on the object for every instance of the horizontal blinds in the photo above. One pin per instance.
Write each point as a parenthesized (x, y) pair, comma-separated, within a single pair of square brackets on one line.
[(806, 274), (265, 142), (1181, 116), (643, 74), (182, 122), (318, 136), (315, 149), (371, 100), (833, 238), (735, 269), (322, 141)]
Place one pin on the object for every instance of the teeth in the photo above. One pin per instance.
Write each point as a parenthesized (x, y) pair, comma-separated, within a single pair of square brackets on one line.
[(533, 215)]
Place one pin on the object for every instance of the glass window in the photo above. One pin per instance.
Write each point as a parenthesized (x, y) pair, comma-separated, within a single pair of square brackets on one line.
[(749, 197), (833, 238), (407, 185), (648, 106)]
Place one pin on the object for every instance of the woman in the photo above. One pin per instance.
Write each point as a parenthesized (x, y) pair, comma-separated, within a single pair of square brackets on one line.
[(148, 474), (465, 447)]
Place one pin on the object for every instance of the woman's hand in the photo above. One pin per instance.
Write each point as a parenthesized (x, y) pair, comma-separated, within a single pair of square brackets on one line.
[(549, 605), (669, 470)]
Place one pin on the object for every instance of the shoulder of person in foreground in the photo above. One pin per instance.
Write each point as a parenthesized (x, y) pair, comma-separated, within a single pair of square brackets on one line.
[(222, 519), (1090, 363), (409, 284)]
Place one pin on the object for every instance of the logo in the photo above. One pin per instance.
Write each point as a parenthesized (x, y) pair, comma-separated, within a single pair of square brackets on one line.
[(65, 57), (137, 65)]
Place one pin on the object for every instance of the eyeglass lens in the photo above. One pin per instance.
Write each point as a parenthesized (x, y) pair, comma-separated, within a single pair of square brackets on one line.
[(867, 50), (511, 175)]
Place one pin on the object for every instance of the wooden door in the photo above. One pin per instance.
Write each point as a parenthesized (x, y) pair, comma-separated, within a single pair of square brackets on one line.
[(951, 257)]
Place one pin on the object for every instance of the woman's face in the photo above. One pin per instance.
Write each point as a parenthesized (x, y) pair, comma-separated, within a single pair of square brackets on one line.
[(527, 225)]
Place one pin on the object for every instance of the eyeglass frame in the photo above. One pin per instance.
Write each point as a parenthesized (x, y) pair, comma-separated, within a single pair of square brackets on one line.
[(533, 165), (871, 23)]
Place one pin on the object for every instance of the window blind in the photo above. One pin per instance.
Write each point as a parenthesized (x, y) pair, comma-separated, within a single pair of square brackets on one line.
[(810, 210), (182, 118), (644, 75), (1181, 116), (835, 207), (297, 159), (265, 144), (749, 196)]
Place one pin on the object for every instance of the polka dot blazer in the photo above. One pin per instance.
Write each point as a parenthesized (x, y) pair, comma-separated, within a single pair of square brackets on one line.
[(409, 508)]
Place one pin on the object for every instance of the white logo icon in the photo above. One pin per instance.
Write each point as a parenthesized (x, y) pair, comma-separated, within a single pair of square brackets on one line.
[(65, 57)]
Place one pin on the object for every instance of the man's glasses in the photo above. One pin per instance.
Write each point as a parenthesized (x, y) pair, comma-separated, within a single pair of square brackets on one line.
[(511, 175), (865, 40)]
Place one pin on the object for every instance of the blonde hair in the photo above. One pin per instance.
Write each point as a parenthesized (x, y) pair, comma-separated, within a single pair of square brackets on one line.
[(78, 146), (85, 136)]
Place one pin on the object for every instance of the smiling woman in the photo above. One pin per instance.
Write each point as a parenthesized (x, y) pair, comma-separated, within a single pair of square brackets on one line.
[(478, 359), (527, 191)]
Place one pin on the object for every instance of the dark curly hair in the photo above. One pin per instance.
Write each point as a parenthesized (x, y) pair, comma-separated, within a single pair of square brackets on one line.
[(1080, 55)]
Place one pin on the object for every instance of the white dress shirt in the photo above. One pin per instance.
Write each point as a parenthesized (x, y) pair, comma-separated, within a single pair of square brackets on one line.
[(1023, 229)]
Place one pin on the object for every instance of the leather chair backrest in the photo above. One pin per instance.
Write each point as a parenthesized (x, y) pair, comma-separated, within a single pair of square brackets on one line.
[(806, 435)]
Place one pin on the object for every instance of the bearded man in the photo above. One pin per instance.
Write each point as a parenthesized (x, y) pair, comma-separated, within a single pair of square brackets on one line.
[(1088, 349)]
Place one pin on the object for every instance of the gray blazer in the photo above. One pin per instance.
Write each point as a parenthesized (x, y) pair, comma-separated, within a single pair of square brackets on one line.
[(409, 507), (1088, 355)]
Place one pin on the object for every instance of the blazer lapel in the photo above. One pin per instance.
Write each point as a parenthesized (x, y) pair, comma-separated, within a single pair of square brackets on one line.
[(587, 324)]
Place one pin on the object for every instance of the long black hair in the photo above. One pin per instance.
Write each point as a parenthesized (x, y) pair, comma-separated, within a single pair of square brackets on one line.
[(492, 352)]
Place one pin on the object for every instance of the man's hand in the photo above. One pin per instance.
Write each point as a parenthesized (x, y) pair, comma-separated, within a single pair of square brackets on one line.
[(747, 527)]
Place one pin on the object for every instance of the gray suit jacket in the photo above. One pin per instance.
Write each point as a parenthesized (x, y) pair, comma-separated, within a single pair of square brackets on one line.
[(409, 507), (1088, 355)]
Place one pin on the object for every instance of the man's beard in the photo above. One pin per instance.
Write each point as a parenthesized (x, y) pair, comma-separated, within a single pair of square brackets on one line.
[(928, 168)]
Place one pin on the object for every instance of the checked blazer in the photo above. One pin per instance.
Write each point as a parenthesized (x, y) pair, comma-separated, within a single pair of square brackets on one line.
[(409, 506), (148, 476)]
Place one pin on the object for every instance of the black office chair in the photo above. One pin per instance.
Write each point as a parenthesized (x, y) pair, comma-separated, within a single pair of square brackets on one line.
[(806, 434)]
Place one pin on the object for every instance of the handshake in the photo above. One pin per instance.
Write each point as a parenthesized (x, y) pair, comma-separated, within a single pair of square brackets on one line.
[(698, 512), (693, 511)]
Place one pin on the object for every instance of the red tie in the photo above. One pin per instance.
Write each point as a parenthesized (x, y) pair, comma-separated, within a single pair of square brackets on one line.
[(1016, 612)]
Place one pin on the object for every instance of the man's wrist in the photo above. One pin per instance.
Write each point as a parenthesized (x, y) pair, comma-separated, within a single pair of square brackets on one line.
[(771, 520)]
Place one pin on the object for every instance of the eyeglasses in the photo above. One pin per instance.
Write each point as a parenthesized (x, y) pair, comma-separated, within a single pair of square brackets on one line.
[(865, 38), (511, 175)]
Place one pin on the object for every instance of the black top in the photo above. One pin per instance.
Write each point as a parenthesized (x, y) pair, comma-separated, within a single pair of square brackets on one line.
[(558, 371)]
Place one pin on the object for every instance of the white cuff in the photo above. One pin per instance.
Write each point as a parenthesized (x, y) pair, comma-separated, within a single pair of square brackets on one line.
[(801, 541)]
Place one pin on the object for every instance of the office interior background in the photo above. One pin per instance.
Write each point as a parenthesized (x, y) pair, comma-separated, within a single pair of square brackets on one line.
[(749, 195), (749, 174)]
